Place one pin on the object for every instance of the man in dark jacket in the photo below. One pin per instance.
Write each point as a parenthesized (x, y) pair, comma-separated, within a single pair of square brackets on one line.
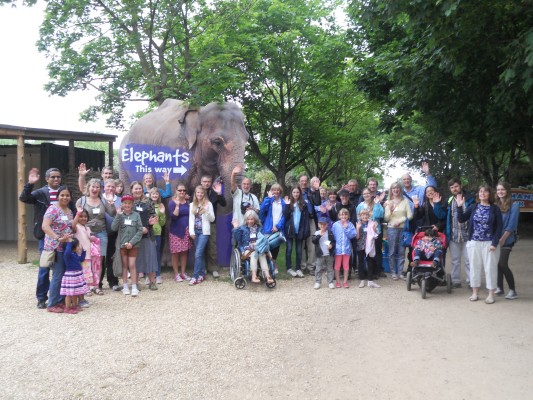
[(41, 200)]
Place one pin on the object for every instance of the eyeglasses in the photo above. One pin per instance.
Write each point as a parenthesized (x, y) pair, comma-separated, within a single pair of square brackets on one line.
[(180, 190), (55, 177)]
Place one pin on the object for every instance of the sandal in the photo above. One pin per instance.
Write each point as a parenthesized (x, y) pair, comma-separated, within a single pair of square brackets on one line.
[(270, 280), (98, 291), (473, 298), (256, 280)]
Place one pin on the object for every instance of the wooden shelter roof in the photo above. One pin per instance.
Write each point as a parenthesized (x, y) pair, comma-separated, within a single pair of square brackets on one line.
[(12, 132)]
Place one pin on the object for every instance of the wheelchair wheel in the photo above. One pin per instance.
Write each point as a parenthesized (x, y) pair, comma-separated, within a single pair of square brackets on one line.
[(271, 285), (408, 281), (448, 283), (423, 288), (235, 265), (240, 283)]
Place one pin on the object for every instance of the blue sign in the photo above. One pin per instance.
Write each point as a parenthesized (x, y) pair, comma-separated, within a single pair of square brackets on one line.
[(138, 159)]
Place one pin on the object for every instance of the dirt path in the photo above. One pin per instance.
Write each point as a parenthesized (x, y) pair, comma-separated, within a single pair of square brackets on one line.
[(214, 342)]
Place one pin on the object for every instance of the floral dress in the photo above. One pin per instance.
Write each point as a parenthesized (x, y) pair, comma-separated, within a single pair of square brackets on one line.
[(61, 225)]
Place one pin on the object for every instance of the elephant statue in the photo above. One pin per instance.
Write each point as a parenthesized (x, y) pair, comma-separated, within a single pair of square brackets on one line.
[(188, 143), (207, 141)]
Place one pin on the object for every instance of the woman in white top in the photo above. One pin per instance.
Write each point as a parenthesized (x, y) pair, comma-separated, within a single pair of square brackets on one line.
[(200, 217)]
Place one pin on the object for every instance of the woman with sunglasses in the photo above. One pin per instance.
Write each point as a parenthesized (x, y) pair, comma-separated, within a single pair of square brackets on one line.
[(179, 238)]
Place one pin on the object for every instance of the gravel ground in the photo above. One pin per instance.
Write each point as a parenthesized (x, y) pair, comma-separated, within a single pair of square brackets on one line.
[(215, 342)]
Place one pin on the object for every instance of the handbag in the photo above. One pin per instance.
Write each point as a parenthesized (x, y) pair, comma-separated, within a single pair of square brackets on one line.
[(48, 257), (261, 245), (407, 236)]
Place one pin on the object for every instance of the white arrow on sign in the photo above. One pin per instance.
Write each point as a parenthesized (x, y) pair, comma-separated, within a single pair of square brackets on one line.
[(179, 170)]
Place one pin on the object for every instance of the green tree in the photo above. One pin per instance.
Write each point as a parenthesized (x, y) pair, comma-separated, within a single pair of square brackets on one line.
[(462, 70), (138, 51)]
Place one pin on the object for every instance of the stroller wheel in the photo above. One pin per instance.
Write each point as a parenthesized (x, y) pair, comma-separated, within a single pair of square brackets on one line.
[(423, 284), (408, 280), (448, 283), (240, 283)]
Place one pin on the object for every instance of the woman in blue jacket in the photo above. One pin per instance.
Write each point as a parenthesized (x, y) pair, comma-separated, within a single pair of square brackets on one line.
[(510, 213), (271, 216)]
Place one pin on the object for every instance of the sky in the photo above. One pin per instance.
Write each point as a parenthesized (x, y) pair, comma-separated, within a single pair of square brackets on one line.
[(23, 74), (23, 100)]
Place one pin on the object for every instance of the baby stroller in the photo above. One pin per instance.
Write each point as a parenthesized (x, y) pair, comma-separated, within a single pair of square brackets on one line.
[(239, 267), (426, 275)]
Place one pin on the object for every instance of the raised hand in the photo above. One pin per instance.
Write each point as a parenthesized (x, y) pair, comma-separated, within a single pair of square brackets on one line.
[(235, 223), (162, 208), (286, 199), (437, 197), (82, 169), (217, 187), (33, 176), (460, 200), (166, 177)]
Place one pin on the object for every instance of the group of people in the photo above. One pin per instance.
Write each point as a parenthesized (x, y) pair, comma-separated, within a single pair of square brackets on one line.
[(108, 231)]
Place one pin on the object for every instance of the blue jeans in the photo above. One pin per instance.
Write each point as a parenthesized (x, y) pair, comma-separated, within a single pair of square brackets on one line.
[(58, 270), (288, 253), (200, 243), (158, 252), (43, 278), (396, 250)]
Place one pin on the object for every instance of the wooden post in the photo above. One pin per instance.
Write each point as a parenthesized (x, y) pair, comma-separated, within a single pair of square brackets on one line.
[(71, 156), (21, 169), (110, 149)]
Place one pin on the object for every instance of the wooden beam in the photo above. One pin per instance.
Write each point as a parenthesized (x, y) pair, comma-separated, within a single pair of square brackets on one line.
[(21, 169), (110, 149), (71, 156)]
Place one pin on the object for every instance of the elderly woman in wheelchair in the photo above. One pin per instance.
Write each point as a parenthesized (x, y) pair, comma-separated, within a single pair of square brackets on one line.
[(247, 237)]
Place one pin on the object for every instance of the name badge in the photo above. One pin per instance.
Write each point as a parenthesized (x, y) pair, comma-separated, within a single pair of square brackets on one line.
[(64, 218), (96, 210), (138, 208), (127, 222), (253, 235), (365, 229)]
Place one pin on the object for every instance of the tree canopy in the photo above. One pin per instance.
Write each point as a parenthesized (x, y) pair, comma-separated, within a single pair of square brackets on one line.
[(461, 70)]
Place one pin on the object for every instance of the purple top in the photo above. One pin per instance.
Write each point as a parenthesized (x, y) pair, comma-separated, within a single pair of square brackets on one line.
[(181, 222)]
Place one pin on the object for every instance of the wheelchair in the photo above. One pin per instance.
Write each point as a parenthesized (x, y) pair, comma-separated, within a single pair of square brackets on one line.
[(241, 274)]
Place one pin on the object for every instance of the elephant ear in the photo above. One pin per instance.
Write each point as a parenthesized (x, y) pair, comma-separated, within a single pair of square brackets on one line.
[(190, 126)]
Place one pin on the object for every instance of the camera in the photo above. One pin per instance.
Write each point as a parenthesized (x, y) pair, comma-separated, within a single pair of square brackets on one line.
[(244, 206)]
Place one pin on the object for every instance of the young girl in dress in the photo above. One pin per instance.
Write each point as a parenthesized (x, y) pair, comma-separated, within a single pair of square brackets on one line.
[(159, 208), (83, 234), (179, 239), (343, 231), (72, 284), (366, 252)]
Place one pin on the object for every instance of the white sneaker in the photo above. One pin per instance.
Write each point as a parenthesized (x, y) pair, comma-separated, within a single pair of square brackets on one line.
[(331, 285), (499, 292), (299, 273), (147, 281), (159, 280), (125, 290), (394, 277), (291, 272), (317, 285), (178, 278), (512, 295), (402, 276), (373, 285), (134, 291), (362, 284), (185, 277), (192, 282), (215, 274)]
